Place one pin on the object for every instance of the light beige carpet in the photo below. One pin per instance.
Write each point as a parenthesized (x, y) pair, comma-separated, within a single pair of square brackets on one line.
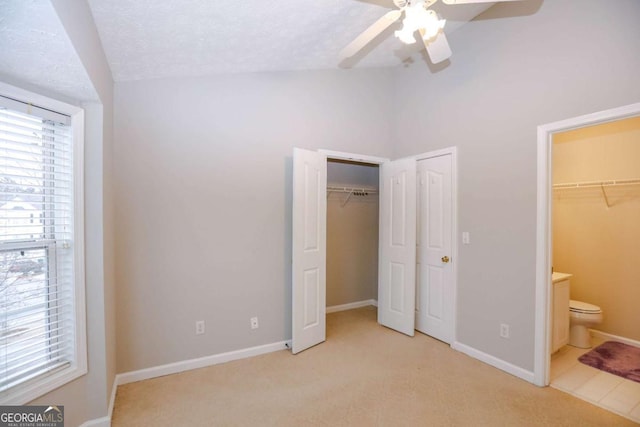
[(363, 375)]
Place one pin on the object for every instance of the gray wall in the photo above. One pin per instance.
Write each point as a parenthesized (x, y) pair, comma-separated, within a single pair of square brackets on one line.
[(513, 69), (352, 235), (203, 169), (203, 173), (203, 200)]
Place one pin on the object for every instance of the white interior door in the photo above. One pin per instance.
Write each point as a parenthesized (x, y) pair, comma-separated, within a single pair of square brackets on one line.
[(435, 287), (397, 260), (309, 249)]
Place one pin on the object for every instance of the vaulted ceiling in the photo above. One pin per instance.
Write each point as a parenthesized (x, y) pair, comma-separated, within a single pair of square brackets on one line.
[(35, 49), (149, 39)]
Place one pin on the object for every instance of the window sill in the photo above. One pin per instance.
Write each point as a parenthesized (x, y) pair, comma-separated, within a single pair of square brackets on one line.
[(32, 390)]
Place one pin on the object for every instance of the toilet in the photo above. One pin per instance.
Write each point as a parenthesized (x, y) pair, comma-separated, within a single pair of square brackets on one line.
[(582, 316)]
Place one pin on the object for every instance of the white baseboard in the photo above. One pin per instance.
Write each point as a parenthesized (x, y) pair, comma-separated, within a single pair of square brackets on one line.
[(105, 421), (174, 368), (187, 365), (610, 337), (352, 305), (112, 399), (494, 361), (98, 422)]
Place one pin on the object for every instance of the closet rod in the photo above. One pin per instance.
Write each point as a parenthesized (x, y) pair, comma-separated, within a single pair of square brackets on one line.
[(351, 190), (587, 184)]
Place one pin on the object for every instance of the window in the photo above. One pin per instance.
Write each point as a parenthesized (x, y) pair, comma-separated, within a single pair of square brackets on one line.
[(42, 343)]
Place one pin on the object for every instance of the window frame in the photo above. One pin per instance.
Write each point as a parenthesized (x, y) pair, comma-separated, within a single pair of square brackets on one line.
[(37, 387)]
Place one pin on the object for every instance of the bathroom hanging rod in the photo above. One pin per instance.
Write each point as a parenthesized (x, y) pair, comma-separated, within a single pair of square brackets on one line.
[(587, 184)]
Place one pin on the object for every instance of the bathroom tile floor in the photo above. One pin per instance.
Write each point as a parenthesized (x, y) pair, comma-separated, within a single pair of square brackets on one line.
[(603, 389)]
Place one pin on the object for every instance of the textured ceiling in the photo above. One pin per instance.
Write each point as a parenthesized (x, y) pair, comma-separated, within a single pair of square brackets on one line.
[(146, 39), (35, 49)]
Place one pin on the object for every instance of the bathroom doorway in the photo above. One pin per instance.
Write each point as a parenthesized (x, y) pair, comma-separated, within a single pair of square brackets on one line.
[(594, 227), (545, 259)]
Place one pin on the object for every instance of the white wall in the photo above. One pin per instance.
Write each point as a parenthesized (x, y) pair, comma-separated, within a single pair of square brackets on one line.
[(203, 200), (88, 397), (516, 67)]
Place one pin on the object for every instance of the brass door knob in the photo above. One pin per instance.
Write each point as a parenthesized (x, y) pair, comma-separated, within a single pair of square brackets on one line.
[(445, 259)]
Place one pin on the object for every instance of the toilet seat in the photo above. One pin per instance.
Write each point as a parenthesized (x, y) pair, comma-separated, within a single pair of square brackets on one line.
[(583, 307)]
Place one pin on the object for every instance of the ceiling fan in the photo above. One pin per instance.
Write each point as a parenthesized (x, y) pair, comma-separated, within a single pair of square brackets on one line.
[(417, 17)]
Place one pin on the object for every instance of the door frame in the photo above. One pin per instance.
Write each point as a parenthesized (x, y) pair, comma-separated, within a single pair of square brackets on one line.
[(361, 158), (453, 152), (542, 338), (354, 157)]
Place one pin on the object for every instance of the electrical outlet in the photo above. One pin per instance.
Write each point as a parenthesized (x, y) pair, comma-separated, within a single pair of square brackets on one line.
[(254, 323), (504, 330), (199, 327)]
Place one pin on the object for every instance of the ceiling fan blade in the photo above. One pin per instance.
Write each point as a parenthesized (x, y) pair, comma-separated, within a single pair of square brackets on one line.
[(370, 33), (438, 48), (473, 1)]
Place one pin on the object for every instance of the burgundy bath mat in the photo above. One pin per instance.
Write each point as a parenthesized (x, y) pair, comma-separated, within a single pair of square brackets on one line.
[(616, 358)]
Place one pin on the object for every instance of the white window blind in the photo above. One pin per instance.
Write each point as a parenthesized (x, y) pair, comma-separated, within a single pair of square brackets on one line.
[(36, 244)]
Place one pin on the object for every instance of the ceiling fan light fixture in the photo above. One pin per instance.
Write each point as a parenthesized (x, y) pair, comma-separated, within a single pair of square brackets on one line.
[(416, 17), (405, 35), (433, 28)]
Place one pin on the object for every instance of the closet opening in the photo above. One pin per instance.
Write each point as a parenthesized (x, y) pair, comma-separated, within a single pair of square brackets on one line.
[(352, 234), (355, 222)]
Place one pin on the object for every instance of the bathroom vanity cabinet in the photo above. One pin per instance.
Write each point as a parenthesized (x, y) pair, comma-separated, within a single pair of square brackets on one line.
[(560, 315)]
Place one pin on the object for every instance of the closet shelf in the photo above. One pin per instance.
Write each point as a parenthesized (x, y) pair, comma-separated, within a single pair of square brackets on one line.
[(351, 191), (334, 189)]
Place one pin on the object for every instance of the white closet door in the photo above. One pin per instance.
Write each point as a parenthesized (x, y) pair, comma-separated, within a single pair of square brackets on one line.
[(309, 249), (397, 260), (435, 287)]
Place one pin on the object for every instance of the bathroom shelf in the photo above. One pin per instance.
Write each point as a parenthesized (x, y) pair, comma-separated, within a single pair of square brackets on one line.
[(587, 184), (598, 184)]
